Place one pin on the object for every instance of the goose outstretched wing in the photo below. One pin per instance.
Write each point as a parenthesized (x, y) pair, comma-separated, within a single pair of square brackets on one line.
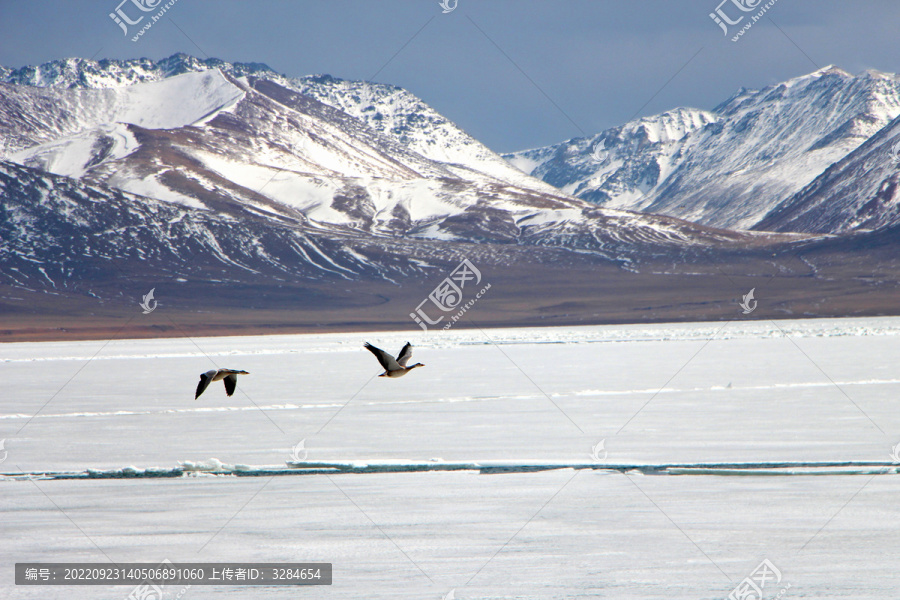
[(205, 378), (387, 361), (405, 355), (230, 382)]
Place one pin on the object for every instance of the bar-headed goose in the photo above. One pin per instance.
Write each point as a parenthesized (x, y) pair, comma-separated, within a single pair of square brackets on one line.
[(394, 367), (227, 376)]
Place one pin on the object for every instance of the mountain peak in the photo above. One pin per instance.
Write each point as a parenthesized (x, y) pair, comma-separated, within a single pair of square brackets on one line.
[(831, 70)]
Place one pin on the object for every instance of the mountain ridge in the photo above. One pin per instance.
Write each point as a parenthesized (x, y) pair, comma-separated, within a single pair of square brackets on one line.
[(258, 141), (245, 193), (859, 192), (756, 149)]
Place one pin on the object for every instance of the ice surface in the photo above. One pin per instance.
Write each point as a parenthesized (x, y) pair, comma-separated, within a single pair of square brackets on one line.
[(655, 394)]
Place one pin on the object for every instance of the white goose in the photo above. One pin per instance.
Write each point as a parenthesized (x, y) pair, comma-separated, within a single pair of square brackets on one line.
[(394, 367), (228, 377)]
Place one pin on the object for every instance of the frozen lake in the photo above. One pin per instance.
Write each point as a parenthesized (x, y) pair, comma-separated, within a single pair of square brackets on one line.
[(741, 392)]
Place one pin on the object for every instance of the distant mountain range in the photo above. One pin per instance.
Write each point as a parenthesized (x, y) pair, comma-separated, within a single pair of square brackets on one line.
[(214, 141), (740, 165), (202, 175)]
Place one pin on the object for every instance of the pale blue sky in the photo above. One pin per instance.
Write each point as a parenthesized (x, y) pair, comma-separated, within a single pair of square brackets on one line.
[(600, 62)]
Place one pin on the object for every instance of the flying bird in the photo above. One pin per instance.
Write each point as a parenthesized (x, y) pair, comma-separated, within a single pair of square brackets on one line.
[(394, 367), (227, 376)]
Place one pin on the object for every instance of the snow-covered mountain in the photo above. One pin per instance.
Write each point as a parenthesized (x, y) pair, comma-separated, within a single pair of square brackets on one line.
[(63, 234), (83, 73), (621, 166), (209, 140), (858, 192), (388, 109), (254, 173), (396, 112), (731, 166)]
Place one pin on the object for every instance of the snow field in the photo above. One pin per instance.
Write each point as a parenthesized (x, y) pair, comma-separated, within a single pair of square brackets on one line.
[(654, 394)]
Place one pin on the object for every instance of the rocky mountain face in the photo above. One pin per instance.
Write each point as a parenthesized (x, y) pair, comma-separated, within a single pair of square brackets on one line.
[(80, 73), (731, 166), (59, 232), (859, 192), (621, 166)]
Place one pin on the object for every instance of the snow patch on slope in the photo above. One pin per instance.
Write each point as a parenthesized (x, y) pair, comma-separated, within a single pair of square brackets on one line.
[(72, 156), (174, 102), (402, 115)]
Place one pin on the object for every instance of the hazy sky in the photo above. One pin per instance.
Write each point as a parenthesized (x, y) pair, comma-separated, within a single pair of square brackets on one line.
[(513, 73)]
